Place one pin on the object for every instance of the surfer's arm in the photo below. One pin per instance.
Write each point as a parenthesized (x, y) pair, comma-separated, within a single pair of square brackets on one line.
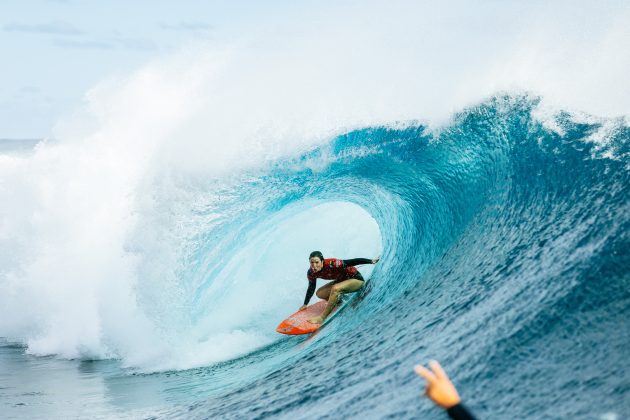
[(309, 291), (358, 261)]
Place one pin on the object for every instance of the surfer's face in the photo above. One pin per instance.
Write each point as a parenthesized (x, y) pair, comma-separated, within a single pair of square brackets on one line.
[(316, 264)]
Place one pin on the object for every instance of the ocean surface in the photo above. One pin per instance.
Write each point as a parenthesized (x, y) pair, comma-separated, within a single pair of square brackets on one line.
[(504, 237)]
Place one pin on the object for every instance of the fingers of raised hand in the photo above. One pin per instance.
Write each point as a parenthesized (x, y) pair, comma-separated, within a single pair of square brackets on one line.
[(437, 369), (425, 373)]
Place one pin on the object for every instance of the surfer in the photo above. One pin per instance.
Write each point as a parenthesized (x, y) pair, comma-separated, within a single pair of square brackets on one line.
[(346, 279)]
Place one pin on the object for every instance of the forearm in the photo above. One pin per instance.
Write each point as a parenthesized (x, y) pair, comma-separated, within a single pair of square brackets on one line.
[(309, 292), (356, 261), (459, 412)]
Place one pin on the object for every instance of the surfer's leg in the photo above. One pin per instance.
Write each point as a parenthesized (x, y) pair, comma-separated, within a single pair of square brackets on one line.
[(346, 286), (337, 289), (324, 291)]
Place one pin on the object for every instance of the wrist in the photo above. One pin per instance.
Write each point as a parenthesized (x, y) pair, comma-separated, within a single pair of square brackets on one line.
[(450, 401)]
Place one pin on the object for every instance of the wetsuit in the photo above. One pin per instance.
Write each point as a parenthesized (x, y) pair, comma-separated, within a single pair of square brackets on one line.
[(334, 269), (459, 412)]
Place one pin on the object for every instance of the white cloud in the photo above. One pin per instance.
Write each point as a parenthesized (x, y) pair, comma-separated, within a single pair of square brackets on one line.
[(56, 28)]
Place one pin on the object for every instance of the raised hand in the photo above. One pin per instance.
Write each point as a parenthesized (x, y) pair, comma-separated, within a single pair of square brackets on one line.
[(439, 388)]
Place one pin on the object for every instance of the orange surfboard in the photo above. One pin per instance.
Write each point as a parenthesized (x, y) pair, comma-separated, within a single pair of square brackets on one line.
[(298, 323)]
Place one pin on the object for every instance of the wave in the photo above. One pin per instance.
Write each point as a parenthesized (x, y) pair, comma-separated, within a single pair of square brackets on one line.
[(199, 267)]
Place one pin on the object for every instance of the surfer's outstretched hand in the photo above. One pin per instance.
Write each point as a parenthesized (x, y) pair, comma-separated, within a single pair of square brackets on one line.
[(302, 308), (375, 260), (439, 388)]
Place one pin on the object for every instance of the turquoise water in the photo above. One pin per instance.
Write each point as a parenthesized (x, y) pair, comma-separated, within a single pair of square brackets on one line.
[(504, 240)]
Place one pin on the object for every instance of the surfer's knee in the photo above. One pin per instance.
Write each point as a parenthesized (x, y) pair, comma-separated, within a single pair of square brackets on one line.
[(336, 290)]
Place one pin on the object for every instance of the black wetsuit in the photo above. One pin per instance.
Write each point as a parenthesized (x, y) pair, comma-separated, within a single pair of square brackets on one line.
[(460, 412)]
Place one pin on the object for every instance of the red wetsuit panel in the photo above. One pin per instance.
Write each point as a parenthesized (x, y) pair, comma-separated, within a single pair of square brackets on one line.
[(333, 269)]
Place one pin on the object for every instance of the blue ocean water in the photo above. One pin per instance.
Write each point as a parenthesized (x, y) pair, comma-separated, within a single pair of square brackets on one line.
[(505, 248)]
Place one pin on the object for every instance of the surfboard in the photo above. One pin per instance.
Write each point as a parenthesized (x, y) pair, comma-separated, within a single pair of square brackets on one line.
[(298, 323)]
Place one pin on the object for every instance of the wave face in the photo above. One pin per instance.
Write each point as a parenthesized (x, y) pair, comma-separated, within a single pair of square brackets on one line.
[(505, 252)]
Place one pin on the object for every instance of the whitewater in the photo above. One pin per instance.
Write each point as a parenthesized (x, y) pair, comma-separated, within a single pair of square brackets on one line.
[(149, 249)]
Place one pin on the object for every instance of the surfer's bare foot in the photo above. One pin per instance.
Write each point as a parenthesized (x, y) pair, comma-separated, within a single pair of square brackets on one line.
[(316, 320)]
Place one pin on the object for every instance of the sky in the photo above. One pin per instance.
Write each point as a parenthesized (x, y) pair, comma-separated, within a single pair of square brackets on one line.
[(574, 52), (54, 51)]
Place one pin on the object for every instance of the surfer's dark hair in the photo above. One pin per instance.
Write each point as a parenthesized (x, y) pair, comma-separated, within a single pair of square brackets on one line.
[(317, 254)]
